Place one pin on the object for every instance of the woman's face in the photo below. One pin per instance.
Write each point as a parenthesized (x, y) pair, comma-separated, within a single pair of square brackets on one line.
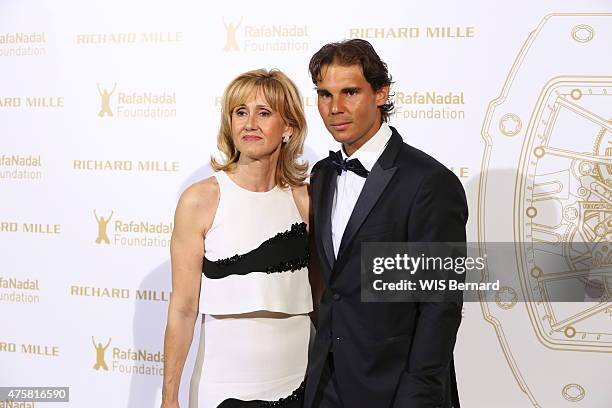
[(257, 130)]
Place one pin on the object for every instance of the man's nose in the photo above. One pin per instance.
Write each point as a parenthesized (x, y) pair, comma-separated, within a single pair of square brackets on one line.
[(337, 105)]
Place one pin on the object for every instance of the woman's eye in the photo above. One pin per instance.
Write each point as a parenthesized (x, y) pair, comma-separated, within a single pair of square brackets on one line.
[(264, 114)]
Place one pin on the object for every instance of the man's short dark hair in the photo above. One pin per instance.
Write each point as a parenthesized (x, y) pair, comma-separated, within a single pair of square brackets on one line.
[(354, 52)]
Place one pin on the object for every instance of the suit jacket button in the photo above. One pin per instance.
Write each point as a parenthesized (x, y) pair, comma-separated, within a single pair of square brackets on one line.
[(336, 296)]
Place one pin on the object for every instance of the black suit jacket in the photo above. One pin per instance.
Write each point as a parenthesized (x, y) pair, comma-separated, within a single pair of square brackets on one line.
[(386, 354)]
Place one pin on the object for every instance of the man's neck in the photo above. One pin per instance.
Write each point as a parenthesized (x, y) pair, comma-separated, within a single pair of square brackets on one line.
[(350, 148)]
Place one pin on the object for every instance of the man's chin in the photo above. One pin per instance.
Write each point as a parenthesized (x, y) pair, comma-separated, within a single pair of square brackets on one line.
[(341, 136)]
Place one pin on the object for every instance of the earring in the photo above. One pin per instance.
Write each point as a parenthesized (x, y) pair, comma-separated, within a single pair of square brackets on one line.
[(285, 139)]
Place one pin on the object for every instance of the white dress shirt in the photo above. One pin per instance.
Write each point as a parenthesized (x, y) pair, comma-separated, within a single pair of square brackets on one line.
[(349, 184)]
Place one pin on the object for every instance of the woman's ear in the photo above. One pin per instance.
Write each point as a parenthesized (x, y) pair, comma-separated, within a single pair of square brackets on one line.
[(288, 132)]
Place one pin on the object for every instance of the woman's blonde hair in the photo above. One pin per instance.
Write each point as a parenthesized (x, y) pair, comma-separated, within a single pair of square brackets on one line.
[(283, 97)]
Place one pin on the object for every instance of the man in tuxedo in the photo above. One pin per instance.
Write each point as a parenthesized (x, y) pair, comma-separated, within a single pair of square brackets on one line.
[(376, 188)]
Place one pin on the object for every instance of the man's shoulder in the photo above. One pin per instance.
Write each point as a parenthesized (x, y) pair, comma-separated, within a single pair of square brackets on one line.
[(319, 166), (322, 162), (415, 166), (411, 158)]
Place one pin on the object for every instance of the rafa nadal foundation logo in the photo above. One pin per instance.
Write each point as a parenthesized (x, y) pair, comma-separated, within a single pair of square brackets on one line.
[(116, 230), (100, 350), (136, 103), (126, 360), (231, 44), (102, 226), (264, 36), (105, 101)]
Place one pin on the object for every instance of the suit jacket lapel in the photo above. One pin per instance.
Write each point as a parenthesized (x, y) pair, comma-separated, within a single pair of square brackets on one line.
[(326, 187), (375, 184)]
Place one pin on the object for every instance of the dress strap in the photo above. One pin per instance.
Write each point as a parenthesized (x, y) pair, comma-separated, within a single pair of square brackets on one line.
[(222, 178)]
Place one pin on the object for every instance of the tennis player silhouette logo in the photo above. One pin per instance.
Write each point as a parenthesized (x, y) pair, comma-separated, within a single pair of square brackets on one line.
[(100, 350), (102, 226), (105, 101), (231, 44)]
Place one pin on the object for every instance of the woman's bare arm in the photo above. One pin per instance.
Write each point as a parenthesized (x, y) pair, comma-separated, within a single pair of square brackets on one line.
[(194, 214)]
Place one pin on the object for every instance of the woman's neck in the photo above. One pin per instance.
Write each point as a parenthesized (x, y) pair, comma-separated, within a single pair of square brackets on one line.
[(257, 175)]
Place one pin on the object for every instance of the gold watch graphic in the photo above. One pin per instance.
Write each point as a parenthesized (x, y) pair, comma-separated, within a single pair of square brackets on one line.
[(546, 186)]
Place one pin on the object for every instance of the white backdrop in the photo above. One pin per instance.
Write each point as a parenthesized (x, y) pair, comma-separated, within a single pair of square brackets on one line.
[(110, 109)]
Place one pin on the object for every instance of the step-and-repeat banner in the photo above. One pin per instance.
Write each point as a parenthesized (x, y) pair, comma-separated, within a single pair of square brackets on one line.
[(110, 109)]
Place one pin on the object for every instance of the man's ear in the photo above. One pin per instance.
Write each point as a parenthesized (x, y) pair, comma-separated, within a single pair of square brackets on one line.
[(382, 95)]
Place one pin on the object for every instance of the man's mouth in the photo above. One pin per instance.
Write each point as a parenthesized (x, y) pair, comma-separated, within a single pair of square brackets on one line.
[(340, 125)]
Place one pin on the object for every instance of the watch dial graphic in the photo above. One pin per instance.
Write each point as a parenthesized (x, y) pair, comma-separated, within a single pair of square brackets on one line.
[(546, 186)]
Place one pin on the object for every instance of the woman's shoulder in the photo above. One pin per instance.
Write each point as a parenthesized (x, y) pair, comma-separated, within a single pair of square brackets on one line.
[(200, 199)]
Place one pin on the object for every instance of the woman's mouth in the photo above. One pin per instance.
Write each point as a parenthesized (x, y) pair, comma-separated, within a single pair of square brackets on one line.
[(251, 138)]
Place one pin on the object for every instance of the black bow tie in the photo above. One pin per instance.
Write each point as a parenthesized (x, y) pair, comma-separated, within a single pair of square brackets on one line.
[(353, 165)]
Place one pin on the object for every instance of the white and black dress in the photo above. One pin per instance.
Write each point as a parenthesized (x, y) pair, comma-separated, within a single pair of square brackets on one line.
[(256, 254)]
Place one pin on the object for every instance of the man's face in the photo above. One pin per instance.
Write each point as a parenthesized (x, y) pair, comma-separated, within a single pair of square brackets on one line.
[(348, 105)]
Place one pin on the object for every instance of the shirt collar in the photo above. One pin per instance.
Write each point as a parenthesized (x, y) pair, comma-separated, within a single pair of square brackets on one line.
[(369, 153)]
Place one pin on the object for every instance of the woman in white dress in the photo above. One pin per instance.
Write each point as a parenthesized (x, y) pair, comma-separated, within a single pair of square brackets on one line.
[(239, 254)]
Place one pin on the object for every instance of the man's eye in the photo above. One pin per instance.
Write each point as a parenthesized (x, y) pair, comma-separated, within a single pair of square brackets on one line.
[(351, 92), (324, 95)]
